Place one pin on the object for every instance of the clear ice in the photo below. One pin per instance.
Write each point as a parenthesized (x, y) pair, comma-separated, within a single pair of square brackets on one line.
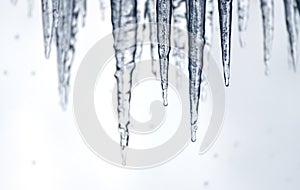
[(225, 16), (243, 12), (124, 15), (267, 8), (292, 30), (164, 13), (196, 28)]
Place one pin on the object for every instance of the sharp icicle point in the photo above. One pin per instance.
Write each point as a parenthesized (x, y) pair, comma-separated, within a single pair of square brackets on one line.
[(164, 12), (243, 12), (196, 28), (292, 30), (225, 16), (209, 23), (267, 8), (124, 21), (179, 37)]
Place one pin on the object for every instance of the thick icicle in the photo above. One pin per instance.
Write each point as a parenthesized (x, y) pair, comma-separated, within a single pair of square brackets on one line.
[(225, 14), (164, 12), (65, 42), (196, 28), (124, 14), (267, 8), (292, 31), (48, 25), (243, 12), (151, 15), (209, 23), (180, 25)]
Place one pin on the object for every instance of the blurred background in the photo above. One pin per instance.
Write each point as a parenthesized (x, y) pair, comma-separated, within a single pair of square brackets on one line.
[(41, 148)]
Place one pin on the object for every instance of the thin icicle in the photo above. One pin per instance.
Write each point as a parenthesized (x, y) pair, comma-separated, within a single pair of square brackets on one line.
[(209, 23), (243, 12), (267, 8), (292, 31), (180, 24), (225, 14), (48, 25), (164, 12), (196, 28), (151, 15), (124, 14)]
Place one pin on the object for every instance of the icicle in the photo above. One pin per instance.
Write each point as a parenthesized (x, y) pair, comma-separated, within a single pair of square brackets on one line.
[(65, 41), (225, 14), (48, 25), (124, 14), (243, 12), (292, 31), (180, 23), (164, 12), (267, 8), (209, 23), (196, 28), (151, 15)]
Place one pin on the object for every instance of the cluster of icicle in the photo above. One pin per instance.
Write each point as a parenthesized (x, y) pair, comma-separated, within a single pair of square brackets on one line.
[(60, 21)]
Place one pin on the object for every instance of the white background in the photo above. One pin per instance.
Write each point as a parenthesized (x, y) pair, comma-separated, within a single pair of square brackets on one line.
[(40, 147)]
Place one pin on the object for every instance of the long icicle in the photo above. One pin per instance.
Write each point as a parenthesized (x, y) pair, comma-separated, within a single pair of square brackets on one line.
[(225, 14), (267, 8), (291, 29), (196, 28), (65, 41), (124, 14), (180, 25), (243, 12), (209, 23), (164, 12)]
